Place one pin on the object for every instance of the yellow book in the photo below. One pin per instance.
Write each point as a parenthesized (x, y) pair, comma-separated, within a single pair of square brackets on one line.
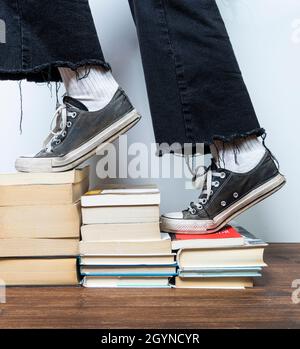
[(38, 247), (27, 272), (49, 221), (24, 189)]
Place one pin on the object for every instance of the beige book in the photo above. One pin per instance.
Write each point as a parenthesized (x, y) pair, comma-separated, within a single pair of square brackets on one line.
[(220, 258), (38, 247), (115, 232), (59, 278), (53, 194), (162, 246), (46, 271), (34, 265), (219, 283), (122, 214), (49, 221), (131, 282), (21, 178), (128, 260)]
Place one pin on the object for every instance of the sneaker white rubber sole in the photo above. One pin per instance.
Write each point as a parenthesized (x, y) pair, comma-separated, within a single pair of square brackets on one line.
[(82, 153), (194, 226)]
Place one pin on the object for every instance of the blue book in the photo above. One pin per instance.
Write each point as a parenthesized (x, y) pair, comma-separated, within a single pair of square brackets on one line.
[(130, 274)]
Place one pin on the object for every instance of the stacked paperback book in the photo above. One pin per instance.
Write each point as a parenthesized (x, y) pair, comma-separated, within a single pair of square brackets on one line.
[(40, 222), (230, 258), (121, 241)]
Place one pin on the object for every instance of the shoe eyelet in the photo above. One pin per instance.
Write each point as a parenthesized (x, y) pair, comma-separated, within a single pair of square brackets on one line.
[(69, 124), (223, 203), (73, 115), (216, 184), (193, 211), (222, 175), (204, 201), (64, 134), (235, 195), (58, 142), (211, 192)]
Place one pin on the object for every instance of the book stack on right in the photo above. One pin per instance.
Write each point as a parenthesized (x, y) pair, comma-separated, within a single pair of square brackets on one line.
[(231, 258), (121, 241)]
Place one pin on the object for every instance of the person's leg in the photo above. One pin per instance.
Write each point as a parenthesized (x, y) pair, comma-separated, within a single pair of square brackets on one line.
[(197, 95), (95, 88), (95, 109), (195, 87)]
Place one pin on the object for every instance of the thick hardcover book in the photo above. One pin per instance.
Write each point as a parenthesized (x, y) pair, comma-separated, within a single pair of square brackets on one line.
[(220, 258)]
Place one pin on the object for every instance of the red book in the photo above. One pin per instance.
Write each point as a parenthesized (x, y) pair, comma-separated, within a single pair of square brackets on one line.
[(228, 236)]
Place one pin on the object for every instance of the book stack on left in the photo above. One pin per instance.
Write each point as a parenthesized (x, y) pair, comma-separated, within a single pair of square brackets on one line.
[(40, 222)]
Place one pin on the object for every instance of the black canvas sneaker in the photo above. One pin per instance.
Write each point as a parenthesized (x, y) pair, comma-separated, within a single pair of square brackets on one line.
[(224, 196), (77, 133)]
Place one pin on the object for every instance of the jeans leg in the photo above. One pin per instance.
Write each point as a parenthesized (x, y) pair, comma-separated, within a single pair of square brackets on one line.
[(43, 35), (195, 87)]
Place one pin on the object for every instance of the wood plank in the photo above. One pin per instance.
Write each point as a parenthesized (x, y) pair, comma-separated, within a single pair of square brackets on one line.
[(268, 305)]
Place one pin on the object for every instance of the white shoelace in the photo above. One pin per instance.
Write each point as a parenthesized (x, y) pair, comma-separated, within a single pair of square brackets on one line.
[(204, 181), (58, 126)]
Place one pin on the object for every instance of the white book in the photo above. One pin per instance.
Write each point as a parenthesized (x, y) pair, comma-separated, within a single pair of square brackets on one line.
[(125, 282), (117, 232), (162, 246), (121, 214), (131, 196)]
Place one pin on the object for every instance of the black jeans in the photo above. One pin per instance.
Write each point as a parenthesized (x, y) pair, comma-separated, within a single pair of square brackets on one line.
[(195, 87)]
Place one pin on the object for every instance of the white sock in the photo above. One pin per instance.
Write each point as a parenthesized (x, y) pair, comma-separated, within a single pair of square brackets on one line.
[(240, 156), (95, 90)]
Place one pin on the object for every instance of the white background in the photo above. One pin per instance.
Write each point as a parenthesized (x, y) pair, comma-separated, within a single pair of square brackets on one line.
[(266, 38)]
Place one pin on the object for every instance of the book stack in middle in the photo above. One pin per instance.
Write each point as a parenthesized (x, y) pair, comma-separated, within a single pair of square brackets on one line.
[(121, 241)]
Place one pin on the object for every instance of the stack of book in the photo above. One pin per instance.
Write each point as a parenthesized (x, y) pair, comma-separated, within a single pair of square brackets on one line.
[(121, 241), (40, 221), (230, 258)]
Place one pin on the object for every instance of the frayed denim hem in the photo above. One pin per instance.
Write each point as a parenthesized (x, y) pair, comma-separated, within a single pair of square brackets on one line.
[(48, 72), (193, 150), (255, 132)]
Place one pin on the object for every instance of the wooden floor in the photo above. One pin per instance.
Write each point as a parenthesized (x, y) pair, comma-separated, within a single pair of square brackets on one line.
[(268, 305)]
